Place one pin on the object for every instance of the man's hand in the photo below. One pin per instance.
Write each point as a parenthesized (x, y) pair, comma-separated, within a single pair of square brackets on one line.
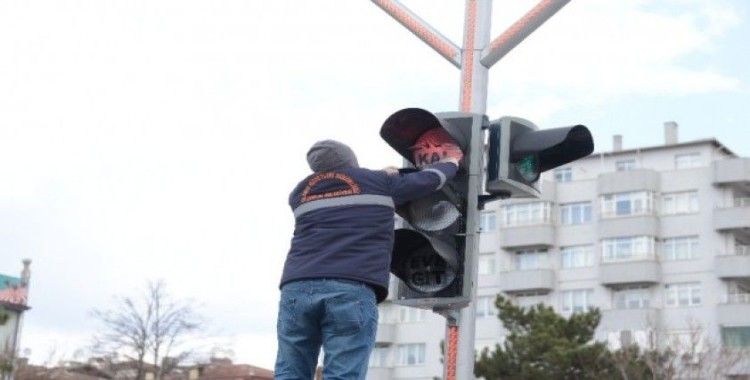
[(452, 160), (391, 170), (453, 154), (453, 151)]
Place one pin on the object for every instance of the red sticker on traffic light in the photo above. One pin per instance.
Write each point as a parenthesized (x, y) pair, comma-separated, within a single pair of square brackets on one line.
[(433, 146)]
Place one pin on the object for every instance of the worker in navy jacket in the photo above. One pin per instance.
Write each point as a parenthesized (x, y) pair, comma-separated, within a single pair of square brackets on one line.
[(337, 268)]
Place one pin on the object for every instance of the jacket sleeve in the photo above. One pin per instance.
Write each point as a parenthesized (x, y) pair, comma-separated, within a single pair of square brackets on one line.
[(407, 187)]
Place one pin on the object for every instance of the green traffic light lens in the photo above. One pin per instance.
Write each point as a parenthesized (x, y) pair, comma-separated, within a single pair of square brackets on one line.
[(528, 168)]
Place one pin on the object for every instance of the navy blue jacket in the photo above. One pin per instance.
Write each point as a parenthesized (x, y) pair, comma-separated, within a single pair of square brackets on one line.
[(344, 222)]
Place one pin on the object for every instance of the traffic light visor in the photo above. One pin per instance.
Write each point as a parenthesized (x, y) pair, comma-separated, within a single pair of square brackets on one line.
[(404, 129), (432, 213), (553, 147)]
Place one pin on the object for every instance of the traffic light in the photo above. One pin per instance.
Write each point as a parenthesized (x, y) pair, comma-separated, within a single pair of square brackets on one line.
[(429, 251), (519, 152)]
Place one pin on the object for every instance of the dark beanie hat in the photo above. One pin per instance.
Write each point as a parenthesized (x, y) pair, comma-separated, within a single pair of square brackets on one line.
[(330, 155)]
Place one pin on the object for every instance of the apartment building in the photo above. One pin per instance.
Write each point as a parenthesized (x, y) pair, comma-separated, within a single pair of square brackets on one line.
[(657, 238)]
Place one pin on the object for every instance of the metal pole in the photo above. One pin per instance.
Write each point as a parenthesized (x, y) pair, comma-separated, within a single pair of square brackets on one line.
[(473, 74), (460, 333)]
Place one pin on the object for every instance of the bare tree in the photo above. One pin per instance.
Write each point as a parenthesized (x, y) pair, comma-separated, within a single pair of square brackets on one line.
[(7, 359), (172, 321), (152, 325), (692, 355)]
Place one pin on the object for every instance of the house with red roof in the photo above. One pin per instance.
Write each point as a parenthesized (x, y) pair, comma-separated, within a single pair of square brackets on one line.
[(14, 293), (224, 369)]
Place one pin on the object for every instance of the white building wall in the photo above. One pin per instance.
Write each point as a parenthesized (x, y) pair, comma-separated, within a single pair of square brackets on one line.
[(584, 187), (8, 330)]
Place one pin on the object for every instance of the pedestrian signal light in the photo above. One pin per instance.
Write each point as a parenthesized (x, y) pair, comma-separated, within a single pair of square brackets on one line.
[(519, 152)]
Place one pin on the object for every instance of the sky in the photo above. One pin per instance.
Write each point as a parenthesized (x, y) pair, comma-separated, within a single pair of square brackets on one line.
[(144, 140)]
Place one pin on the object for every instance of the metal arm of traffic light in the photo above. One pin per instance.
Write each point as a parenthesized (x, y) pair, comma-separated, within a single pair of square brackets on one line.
[(422, 30), (521, 29)]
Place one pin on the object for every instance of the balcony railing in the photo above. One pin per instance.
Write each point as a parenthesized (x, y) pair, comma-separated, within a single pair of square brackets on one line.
[(739, 250), (540, 262), (738, 298), (524, 222), (635, 256), (738, 202), (612, 214)]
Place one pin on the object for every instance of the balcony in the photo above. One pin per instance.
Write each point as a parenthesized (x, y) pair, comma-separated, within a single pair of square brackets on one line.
[(734, 218), (540, 279), (541, 234), (734, 173), (386, 333), (379, 373), (631, 180), (733, 265), (643, 224), (526, 224), (638, 268), (629, 319), (734, 309)]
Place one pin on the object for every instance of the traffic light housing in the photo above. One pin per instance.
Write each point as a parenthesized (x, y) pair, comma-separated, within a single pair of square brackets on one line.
[(519, 152), (429, 252)]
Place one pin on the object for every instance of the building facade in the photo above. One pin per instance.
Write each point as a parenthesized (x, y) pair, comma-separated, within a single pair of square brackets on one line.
[(13, 303), (657, 238)]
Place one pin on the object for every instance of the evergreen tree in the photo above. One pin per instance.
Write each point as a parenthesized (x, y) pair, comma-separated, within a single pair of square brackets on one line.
[(542, 344)]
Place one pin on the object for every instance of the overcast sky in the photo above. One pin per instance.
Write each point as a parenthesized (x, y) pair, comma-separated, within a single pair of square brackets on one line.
[(147, 139)]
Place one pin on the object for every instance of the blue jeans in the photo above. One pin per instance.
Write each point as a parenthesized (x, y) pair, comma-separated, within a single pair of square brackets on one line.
[(340, 315)]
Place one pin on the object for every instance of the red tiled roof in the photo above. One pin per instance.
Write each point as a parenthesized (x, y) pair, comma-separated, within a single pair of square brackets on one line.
[(33, 373), (236, 372), (16, 295)]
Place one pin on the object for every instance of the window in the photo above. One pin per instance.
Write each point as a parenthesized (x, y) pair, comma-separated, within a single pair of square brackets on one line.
[(486, 306), (619, 339), (688, 160), (683, 294), (487, 221), (487, 263), (625, 165), (411, 354), (379, 357), (524, 214), (531, 259), (563, 175), (736, 337), (739, 202), (410, 314), (679, 248), (741, 249), (575, 213), (631, 298), (529, 299), (624, 204), (737, 293), (576, 257), (686, 343), (627, 248), (679, 203), (576, 300)]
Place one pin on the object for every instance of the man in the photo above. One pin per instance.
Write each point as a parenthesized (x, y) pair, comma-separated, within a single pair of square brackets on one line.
[(337, 268)]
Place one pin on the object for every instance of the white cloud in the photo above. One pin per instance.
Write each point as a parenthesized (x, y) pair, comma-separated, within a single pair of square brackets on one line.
[(592, 52)]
